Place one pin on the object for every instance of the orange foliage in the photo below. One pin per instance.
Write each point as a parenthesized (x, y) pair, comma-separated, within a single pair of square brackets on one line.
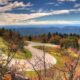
[(7, 77)]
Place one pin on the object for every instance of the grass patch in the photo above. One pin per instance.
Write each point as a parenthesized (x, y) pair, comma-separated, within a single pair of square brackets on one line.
[(3, 44), (20, 54), (25, 54), (62, 56), (30, 74)]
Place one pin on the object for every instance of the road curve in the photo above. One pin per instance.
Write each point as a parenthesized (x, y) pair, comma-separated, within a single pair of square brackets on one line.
[(37, 59), (38, 55)]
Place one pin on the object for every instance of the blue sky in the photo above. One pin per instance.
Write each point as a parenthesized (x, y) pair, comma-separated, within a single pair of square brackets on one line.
[(39, 12)]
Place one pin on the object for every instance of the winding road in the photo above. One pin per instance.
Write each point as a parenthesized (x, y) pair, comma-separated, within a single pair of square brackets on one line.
[(38, 55), (37, 60)]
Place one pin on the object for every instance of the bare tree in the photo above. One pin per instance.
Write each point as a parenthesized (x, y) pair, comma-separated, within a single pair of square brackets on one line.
[(5, 60), (44, 60), (70, 69), (34, 68), (40, 65)]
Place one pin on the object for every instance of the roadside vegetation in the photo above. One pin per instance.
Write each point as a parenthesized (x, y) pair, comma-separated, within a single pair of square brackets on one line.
[(12, 40), (11, 47), (67, 54), (56, 38), (61, 55)]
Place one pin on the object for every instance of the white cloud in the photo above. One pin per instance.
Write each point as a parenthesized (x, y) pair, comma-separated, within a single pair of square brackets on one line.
[(3, 2), (31, 10), (33, 22), (50, 3), (61, 12), (8, 18), (56, 5), (40, 10), (16, 4), (67, 0), (77, 5), (29, 4), (41, 14)]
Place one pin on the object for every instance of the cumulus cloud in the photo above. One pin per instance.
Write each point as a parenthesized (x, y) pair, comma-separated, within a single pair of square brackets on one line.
[(16, 4), (2, 2), (11, 6)]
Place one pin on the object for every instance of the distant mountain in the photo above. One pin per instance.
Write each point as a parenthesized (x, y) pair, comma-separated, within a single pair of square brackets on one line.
[(31, 30)]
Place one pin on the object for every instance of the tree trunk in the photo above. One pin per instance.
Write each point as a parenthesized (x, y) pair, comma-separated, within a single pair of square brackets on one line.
[(71, 76)]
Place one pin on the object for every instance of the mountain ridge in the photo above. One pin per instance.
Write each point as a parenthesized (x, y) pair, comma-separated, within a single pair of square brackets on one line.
[(23, 30)]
